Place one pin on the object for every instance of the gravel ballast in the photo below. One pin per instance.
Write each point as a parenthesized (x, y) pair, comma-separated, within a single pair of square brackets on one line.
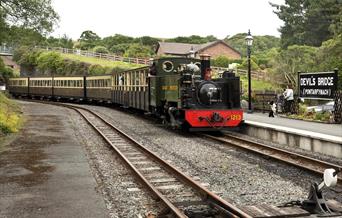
[(112, 175), (234, 174)]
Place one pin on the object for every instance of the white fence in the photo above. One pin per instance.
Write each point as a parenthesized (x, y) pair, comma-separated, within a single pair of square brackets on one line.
[(259, 75), (110, 57)]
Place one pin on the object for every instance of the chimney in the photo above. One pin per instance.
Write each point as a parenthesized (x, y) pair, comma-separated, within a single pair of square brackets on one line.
[(205, 64)]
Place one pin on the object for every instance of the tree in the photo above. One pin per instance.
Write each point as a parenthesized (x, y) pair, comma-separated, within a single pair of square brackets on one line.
[(5, 72), (63, 42), (117, 39), (88, 40), (295, 58), (31, 14), (260, 43), (148, 41), (193, 39), (329, 57), (138, 50), (23, 36), (100, 49), (307, 22)]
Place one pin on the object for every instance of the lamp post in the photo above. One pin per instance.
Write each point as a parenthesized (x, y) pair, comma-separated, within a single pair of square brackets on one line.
[(249, 43)]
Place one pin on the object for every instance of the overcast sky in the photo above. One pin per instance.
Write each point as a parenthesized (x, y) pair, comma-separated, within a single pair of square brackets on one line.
[(166, 18)]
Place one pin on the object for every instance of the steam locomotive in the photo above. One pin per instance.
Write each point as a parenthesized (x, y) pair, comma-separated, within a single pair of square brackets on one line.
[(178, 90)]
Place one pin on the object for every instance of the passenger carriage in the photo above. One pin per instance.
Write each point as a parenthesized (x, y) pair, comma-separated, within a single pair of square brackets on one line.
[(18, 86), (130, 88), (99, 88), (41, 86), (69, 88)]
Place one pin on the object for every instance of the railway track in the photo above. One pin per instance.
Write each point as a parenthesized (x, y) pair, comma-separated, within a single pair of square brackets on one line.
[(307, 163), (181, 195)]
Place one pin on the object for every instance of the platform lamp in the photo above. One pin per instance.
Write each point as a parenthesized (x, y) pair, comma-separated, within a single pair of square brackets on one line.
[(249, 43)]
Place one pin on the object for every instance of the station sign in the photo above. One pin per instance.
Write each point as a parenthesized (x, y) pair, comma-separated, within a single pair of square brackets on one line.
[(320, 85)]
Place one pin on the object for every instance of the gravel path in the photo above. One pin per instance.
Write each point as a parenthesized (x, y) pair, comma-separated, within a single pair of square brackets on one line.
[(236, 175)]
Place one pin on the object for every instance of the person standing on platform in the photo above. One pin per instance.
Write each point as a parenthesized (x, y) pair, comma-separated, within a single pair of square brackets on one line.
[(284, 102), (289, 99)]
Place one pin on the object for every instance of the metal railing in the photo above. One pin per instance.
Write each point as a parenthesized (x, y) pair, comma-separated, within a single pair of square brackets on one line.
[(5, 50), (258, 75), (110, 57)]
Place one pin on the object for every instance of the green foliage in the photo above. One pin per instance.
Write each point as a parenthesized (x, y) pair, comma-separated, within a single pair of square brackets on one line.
[(63, 42), (329, 57), (100, 49), (55, 63), (88, 40), (117, 39), (10, 119), (118, 65), (96, 69), (260, 43), (119, 49), (5, 72), (23, 36), (257, 85), (148, 41), (304, 114), (138, 50), (223, 61), (194, 39), (32, 14), (254, 65), (49, 62), (308, 22), (295, 58)]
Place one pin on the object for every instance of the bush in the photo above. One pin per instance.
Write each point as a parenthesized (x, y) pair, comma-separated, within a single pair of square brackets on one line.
[(223, 61), (138, 50), (100, 49), (5, 72), (324, 116), (96, 70), (254, 66), (50, 62), (10, 119), (302, 109)]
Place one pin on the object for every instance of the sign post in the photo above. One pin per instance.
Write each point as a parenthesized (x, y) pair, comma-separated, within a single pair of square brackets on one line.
[(321, 85)]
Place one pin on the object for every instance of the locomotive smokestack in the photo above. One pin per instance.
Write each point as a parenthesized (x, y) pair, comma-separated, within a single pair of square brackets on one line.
[(205, 65)]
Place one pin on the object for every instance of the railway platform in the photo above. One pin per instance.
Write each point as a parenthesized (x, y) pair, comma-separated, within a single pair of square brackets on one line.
[(318, 137), (44, 171)]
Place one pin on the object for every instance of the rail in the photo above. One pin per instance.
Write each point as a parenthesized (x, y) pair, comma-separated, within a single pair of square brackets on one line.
[(130, 150), (298, 160)]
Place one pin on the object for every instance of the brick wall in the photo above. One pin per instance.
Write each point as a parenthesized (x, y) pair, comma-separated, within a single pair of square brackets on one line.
[(221, 49), (10, 63)]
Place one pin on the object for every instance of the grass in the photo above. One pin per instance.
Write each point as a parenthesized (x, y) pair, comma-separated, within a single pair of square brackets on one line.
[(10, 118), (102, 62), (258, 85)]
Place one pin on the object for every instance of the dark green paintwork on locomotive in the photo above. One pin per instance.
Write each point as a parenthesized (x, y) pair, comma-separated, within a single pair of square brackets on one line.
[(164, 85)]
